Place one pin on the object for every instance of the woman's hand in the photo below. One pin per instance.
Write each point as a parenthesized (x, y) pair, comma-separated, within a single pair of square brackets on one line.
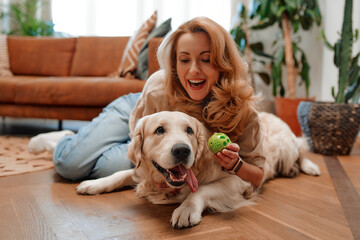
[(229, 156)]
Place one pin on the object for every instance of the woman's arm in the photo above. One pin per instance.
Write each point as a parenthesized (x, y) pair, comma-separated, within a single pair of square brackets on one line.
[(229, 157)]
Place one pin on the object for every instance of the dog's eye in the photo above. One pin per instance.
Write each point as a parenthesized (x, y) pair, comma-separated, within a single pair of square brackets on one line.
[(159, 130), (189, 130)]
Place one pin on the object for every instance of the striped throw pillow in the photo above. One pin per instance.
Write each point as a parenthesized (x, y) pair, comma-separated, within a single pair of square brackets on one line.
[(4, 57), (129, 60)]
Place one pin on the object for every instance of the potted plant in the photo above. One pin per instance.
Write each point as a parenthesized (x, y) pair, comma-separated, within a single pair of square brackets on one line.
[(332, 127), (28, 23), (290, 16)]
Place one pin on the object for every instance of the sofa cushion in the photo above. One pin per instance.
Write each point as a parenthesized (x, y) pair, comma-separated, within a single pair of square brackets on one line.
[(44, 56), (7, 90), (74, 91), (128, 63), (142, 66), (97, 56), (8, 87)]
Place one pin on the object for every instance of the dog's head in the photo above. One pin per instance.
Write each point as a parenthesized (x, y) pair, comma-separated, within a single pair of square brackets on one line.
[(168, 145)]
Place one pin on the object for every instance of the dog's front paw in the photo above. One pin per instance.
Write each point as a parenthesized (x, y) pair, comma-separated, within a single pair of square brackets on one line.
[(90, 187), (188, 214)]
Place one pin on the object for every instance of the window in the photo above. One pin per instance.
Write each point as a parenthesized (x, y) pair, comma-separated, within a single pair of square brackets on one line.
[(124, 17)]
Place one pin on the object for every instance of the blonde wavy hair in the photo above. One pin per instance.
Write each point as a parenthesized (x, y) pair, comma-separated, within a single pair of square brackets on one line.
[(231, 101)]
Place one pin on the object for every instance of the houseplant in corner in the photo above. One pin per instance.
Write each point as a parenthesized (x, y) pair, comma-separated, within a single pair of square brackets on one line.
[(28, 23), (290, 16), (332, 128)]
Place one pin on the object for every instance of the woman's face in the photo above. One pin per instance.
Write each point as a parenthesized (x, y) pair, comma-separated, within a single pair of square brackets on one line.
[(196, 73)]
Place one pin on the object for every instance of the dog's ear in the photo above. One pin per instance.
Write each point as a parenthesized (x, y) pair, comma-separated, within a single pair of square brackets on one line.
[(135, 145), (201, 139)]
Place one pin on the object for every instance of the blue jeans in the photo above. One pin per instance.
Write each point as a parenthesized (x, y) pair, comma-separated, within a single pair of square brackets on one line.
[(100, 148)]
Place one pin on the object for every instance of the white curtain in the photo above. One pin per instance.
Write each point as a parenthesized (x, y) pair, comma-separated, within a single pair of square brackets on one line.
[(124, 17)]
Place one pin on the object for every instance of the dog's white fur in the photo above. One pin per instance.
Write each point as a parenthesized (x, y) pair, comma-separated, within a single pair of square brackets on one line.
[(46, 141), (217, 190)]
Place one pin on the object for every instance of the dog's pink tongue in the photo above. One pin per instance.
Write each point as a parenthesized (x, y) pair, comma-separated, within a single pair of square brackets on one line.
[(190, 178)]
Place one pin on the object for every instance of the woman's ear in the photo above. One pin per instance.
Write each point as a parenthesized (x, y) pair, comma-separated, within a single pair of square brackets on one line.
[(135, 145)]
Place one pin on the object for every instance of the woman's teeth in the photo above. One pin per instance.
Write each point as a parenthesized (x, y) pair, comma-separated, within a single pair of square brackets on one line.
[(196, 83)]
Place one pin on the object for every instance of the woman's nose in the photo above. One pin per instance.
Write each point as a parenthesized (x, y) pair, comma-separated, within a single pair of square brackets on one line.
[(195, 68)]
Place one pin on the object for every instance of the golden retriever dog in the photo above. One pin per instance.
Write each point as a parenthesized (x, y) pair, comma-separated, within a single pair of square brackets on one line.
[(174, 165)]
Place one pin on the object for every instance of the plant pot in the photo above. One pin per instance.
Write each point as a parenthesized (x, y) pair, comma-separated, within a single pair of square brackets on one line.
[(330, 128), (286, 110)]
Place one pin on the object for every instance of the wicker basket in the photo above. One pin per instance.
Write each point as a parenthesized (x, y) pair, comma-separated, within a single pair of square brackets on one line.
[(331, 128)]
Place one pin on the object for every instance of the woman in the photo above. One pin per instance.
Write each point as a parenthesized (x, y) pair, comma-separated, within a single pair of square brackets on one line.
[(202, 75)]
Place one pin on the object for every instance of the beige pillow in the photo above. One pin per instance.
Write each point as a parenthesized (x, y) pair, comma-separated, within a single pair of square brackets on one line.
[(4, 57), (128, 63)]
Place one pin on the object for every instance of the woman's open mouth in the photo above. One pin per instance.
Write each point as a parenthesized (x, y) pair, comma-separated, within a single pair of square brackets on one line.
[(196, 83)]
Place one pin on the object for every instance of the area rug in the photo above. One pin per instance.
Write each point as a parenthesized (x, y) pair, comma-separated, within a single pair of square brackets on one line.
[(15, 159)]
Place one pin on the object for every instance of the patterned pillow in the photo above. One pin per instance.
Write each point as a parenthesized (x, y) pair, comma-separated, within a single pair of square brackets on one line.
[(4, 57), (128, 63), (142, 66)]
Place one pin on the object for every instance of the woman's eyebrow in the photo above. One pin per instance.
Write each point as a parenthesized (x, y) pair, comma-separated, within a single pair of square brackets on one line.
[(200, 53), (205, 52)]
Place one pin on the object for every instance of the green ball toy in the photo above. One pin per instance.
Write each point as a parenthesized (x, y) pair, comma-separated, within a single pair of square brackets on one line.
[(218, 141)]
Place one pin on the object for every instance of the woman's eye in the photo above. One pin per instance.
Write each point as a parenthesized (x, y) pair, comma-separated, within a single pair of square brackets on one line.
[(206, 60), (189, 130), (159, 130), (184, 61)]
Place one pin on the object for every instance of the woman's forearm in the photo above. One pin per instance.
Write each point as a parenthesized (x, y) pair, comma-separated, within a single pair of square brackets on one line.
[(251, 173)]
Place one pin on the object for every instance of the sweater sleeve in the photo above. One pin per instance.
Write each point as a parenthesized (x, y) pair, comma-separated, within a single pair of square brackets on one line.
[(150, 100), (250, 142)]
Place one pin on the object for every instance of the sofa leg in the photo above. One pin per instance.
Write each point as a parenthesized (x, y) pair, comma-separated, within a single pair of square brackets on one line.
[(60, 125)]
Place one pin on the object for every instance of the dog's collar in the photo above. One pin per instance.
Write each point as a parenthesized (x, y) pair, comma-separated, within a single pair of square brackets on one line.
[(163, 187)]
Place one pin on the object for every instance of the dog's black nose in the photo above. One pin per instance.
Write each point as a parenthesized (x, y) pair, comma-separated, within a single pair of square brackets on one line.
[(181, 152)]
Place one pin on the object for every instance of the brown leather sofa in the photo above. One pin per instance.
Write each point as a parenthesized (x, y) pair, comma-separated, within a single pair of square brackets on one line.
[(66, 78)]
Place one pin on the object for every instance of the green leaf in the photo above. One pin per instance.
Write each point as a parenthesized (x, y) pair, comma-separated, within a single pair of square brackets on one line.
[(282, 90), (333, 92), (352, 90), (279, 11), (265, 77), (263, 24), (353, 74), (304, 73), (295, 25), (356, 96), (265, 8), (345, 52), (276, 72), (327, 44), (280, 56), (318, 16), (337, 52), (307, 19), (258, 49)]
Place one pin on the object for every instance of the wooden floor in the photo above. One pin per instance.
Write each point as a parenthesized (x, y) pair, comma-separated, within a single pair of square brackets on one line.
[(43, 205)]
